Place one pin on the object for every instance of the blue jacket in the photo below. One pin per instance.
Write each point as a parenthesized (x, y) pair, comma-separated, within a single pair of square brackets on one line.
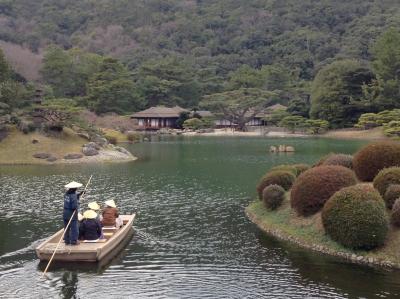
[(71, 203), (90, 229)]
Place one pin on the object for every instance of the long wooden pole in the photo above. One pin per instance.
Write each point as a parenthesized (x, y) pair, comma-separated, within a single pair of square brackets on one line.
[(65, 229)]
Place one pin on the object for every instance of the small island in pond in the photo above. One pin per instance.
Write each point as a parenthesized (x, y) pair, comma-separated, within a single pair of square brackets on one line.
[(346, 206)]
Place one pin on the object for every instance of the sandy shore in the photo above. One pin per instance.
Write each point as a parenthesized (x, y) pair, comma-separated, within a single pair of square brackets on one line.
[(230, 132), (373, 134)]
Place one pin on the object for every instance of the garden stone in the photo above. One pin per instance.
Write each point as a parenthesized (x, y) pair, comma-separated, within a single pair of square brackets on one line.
[(73, 156), (89, 151), (92, 145), (41, 155)]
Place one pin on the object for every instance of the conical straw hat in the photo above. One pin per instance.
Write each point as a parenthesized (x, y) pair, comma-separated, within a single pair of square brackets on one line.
[(90, 214), (111, 203), (94, 206), (73, 185)]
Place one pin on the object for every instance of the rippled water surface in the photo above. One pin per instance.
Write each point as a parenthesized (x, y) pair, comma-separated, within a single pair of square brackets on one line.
[(191, 238)]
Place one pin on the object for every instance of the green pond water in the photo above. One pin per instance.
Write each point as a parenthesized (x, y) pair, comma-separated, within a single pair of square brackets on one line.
[(192, 239)]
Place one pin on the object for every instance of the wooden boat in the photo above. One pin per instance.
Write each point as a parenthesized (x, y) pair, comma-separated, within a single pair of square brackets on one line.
[(87, 251)]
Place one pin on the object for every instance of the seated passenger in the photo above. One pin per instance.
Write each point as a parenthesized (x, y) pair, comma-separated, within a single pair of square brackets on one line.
[(90, 228), (111, 215)]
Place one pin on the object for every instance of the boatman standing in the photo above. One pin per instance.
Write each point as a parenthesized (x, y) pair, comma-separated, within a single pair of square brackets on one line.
[(71, 207)]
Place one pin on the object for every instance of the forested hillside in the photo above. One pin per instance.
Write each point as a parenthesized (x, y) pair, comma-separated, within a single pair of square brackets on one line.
[(178, 51), (302, 35)]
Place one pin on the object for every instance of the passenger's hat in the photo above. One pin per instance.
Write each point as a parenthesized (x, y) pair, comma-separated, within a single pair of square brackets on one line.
[(110, 203), (73, 185), (90, 214), (93, 206)]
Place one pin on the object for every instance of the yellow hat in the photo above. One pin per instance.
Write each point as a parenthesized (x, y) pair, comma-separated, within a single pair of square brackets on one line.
[(80, 217), (93, 206), (110, 203), (73, 185), (90, 214)]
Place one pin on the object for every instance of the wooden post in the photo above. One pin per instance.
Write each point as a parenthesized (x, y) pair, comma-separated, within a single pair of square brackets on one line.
[(65, 229)]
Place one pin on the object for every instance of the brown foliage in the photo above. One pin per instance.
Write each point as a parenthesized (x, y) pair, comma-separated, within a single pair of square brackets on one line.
[(369, 160), (22, 60), (315, 186)]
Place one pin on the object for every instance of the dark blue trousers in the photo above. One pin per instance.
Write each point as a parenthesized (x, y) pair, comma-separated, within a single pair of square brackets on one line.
[(72, 232)]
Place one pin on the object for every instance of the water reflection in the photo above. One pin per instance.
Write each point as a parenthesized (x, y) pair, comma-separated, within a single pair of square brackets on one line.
[(69, 284)]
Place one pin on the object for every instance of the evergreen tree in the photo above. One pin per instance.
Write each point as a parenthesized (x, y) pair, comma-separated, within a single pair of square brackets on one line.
[(386, 65), (337, 92), (111, 89)]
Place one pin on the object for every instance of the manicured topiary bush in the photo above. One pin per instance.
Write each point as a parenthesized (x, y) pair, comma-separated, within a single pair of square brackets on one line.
[(282, 178), (301, 168), (285, 167), (322, 160), (385, 178), (339, 159), (371, 159), (273, 196), (356, 217), (314, 187), (391, 195), (395, 217), (296, 169)]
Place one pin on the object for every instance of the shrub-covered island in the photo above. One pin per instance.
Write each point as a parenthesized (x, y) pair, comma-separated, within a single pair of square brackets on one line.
[(343, 205)]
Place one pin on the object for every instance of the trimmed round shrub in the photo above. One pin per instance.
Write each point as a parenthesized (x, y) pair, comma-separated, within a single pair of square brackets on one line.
[(301, 168), (282, 178), (285, 167), (339, 159), (395, 217), (391, 195), (356, 217), (385, 178), (315, 186), (371, 159), (296, 169), (273, 196), (322, 160)]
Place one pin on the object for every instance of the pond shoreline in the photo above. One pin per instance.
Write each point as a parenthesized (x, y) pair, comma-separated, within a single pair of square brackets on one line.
[(284, 230), (345, 134)]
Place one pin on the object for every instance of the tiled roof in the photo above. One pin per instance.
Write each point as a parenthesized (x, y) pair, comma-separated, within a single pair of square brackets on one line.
[(160, 112)]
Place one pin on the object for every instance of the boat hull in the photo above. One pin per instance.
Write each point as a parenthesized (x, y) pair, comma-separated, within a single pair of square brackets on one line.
[(85, 252)]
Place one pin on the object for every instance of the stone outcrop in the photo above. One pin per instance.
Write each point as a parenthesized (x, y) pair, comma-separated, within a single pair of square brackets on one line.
[(91, 149)]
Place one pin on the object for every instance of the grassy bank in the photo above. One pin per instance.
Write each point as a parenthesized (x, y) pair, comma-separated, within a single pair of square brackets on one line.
[(309, 233), (372, 134), (18, 148)]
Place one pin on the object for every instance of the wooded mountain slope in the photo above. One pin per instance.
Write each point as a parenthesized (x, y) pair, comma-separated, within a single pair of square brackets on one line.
[(214, 36)]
